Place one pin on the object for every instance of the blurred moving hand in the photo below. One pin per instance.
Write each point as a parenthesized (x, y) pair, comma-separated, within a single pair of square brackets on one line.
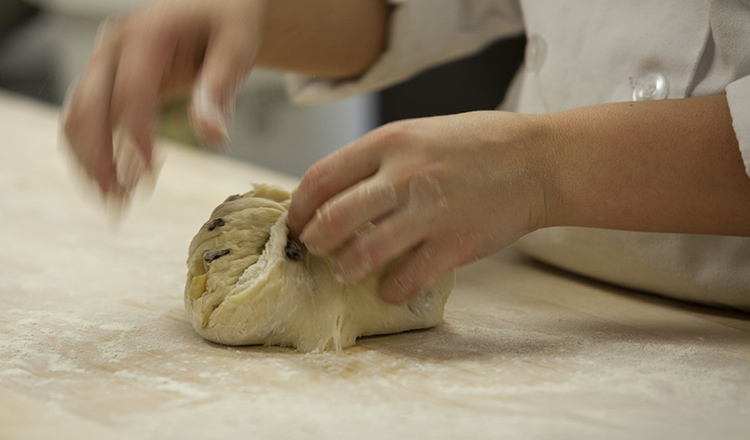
[(207, 48), (150, 55)]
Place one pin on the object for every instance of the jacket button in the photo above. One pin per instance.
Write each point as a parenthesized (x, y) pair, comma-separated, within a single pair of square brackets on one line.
[(651, 87), (536, 52)]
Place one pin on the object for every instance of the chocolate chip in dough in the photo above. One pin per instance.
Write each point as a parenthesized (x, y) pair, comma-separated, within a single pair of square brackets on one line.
[(215, 223), (210, 256), (233, 198), (293, 249)]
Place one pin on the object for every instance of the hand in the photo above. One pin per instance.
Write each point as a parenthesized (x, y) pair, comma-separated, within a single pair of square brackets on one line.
[(445, 190), (160, 51)]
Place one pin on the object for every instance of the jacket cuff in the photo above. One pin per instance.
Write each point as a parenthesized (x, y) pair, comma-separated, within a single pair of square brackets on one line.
[(423, 34)]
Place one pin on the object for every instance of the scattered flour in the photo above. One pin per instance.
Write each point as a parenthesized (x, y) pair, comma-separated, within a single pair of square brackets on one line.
[(55, 362), (14, 372), (164, 384), (113, 326)]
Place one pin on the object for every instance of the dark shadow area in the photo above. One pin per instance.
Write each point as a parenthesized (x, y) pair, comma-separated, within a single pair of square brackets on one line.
[(14, 14), (475, 83), (26, 51)]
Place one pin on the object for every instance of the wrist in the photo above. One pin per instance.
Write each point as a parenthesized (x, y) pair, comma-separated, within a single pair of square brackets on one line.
[(562, 161), (547, 167), (527, 148)]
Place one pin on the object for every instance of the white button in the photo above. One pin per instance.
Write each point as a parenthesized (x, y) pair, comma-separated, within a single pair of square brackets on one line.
[(651, 87), (536, 52)]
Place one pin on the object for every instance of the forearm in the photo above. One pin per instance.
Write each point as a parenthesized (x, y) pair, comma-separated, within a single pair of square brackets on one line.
[(328, 38), (666, 166)]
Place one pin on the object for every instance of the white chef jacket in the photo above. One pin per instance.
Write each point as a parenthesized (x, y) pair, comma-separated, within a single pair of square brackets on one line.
[(585, 52)]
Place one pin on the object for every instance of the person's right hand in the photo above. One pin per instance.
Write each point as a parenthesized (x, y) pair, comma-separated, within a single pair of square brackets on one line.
[(166, 49)]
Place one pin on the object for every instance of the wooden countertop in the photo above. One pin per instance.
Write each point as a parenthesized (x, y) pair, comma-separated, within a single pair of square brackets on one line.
[(94, 342)]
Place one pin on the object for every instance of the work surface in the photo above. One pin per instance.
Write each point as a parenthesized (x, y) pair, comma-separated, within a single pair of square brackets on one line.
[(94, 342)]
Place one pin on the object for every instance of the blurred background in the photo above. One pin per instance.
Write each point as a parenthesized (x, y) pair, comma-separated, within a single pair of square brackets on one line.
[(45, 44)]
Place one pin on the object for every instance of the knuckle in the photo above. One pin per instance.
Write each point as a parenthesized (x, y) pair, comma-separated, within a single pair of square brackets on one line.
[(358, 252), (391, 137), (401, 178), (345, 154), (383, 247), (315, 181), (394, 133), (368, 251), (333, 218)]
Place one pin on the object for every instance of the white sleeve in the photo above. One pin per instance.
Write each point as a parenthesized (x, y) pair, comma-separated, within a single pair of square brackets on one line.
[(423, 34), (738, 96)]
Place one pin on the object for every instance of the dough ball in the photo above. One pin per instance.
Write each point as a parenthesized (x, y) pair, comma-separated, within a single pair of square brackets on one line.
[(246, 286)]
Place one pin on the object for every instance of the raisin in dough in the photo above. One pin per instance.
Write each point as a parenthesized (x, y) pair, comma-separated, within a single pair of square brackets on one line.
[(243, 288)]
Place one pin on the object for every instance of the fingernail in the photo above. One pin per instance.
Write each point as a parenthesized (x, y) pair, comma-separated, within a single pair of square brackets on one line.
[(211, 114), (307, 238), (304, 236), (211, 117), (101, 32)]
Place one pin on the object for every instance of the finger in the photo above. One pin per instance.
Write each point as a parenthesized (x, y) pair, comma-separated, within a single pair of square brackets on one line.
[(339, 218), (418, 271), (182, 70), (103, 32), (129, 162), (373, 249), (87, 125), (136, 88), (330, 176), (229, 57)]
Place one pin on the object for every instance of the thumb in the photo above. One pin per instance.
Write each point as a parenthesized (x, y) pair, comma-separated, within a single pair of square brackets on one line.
[(229, 58)]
